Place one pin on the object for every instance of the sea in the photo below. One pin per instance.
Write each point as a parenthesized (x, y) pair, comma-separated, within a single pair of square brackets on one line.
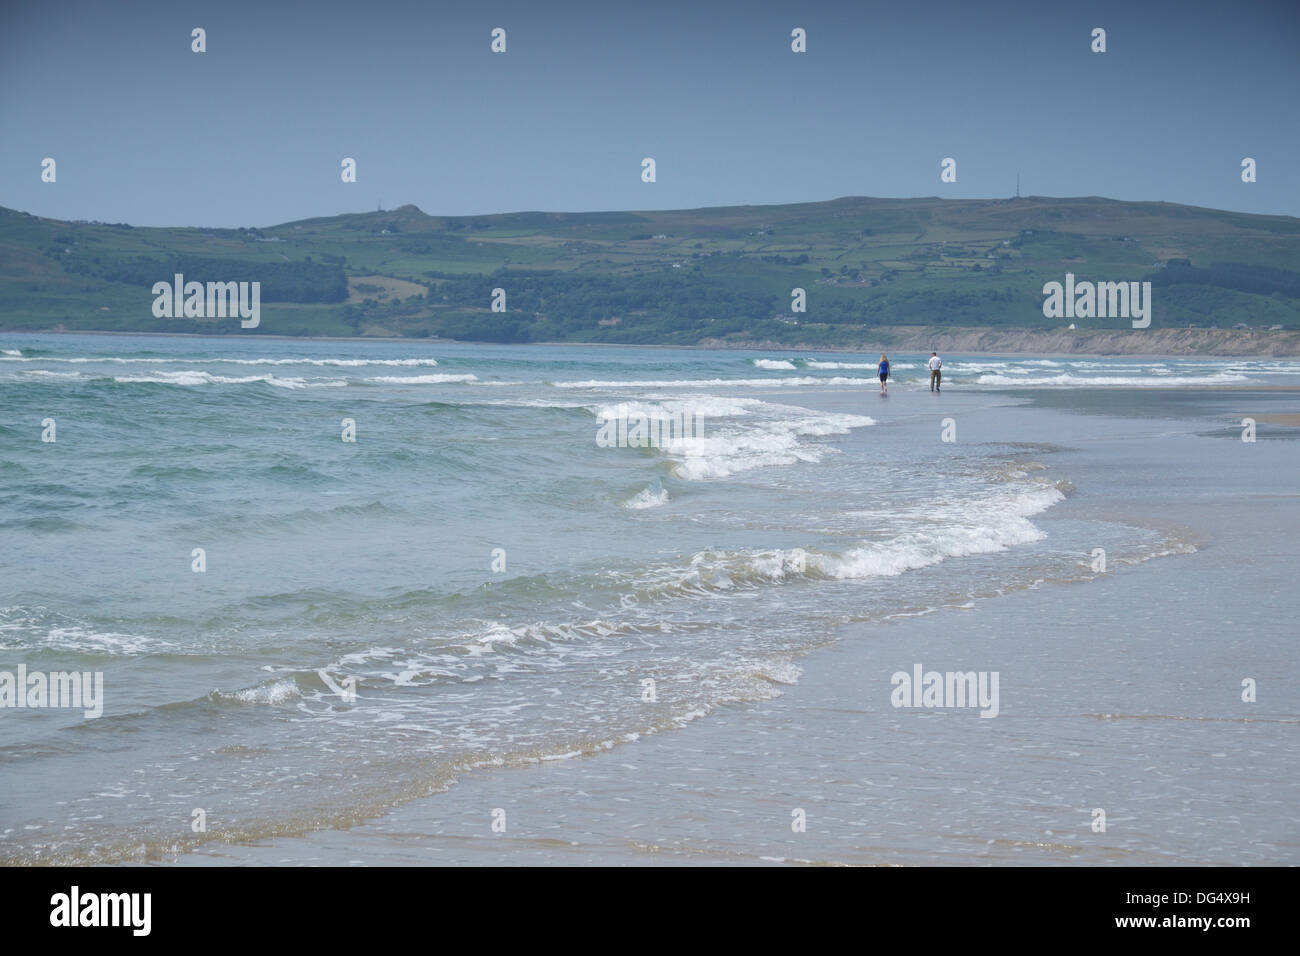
[(411, 601)]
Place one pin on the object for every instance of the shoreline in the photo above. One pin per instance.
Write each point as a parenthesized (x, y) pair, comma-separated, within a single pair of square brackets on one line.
[(883, 804), (762, 347), (719, 790), (886, 786)]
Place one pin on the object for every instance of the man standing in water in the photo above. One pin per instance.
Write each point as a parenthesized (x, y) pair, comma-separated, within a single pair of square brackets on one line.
[(936, 375)]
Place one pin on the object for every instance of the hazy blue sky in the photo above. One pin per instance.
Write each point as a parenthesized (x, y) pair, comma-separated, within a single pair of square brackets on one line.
[(252, 131)]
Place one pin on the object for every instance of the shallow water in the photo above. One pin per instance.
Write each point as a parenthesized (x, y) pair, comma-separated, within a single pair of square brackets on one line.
[(809, 507)]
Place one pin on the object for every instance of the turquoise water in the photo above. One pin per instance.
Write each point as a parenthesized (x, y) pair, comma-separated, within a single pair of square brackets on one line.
[(495, 585)]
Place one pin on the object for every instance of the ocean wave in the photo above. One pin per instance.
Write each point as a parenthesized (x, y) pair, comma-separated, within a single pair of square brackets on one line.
[(441, 379), (705, 406), (1067, 380), (716, 382), (458, 655), (339, 363), (648, 497), (813, 363), (995, 524), (180, 360), (730, 450), (710, 443), (272, 692), (978, 525), (37, 628), (777, 365), (523, 403), (191, 377)]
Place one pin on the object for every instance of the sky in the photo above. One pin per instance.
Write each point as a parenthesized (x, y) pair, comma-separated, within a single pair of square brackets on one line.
[(252, 132)]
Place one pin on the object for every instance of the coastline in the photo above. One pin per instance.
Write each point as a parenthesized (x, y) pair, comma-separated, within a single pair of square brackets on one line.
[(1077, 343), (1120, 692), (876, 783), (1030, 342), (1100, 670)]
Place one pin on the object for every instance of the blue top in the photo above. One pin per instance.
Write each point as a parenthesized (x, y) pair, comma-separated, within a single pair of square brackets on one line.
[(884, 368)]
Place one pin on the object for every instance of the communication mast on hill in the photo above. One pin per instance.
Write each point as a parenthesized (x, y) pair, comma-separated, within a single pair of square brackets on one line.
[(1017, 185)]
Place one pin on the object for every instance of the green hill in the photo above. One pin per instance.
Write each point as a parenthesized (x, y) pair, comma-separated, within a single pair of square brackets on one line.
[(721, 275)]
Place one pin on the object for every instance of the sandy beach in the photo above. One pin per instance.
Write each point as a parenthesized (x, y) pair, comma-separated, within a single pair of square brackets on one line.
[(479, 633), (1127, 714)]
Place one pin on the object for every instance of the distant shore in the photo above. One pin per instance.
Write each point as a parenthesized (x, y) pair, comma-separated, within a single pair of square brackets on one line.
[(1078, 343)]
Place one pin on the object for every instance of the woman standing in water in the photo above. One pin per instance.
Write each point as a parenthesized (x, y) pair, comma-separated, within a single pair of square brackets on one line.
[(884, 375)]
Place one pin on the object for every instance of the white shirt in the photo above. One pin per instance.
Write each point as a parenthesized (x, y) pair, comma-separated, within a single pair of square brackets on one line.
[(935, 363)]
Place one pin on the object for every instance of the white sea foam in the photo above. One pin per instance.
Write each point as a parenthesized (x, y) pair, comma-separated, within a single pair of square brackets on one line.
[(738, 434), (995, 523), (978, 525), (1084, 380), (709, 407), (148, 360), (341, 363), (187, 377), (197, 377), (716, 382), (774, 364), (727, 449), (442, 379), (82, 639), (276, 692), (521, 402), (813, 363), (649, 497)]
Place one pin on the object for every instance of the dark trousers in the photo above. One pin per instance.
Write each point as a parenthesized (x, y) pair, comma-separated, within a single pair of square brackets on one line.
[(935, 376)]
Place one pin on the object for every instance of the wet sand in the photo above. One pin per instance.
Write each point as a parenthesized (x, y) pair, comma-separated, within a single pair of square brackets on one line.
[(1202, 388), (1161, 742), (1120, 694)]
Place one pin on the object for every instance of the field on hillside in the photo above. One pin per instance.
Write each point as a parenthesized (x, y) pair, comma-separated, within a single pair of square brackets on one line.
[(673, 277)]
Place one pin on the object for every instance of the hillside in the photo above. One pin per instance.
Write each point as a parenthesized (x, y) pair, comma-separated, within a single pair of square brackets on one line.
[(871, 268)]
